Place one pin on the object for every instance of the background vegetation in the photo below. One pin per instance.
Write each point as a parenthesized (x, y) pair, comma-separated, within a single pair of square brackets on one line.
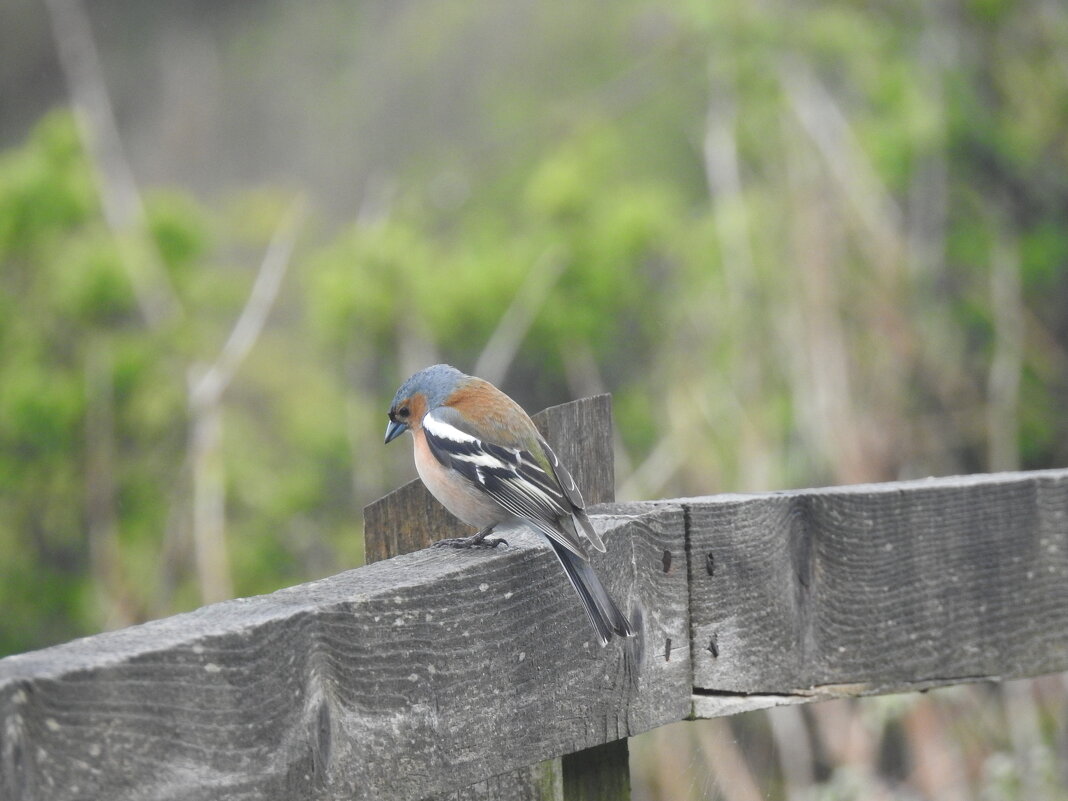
[(801, 243)]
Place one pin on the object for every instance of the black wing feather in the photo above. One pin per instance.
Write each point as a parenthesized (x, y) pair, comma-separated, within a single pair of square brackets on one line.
[(513, 478)]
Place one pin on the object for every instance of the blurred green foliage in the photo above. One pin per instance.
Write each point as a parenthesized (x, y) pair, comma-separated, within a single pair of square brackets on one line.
[(774, 233)]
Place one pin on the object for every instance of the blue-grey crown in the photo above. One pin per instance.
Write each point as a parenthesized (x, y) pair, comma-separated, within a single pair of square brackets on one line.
[(437, 382)]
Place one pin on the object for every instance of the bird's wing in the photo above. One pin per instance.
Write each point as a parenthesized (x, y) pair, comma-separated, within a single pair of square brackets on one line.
[(511, 476), (574, 496)]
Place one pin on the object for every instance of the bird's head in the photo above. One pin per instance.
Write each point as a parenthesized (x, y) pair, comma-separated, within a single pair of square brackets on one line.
[(426, 390)]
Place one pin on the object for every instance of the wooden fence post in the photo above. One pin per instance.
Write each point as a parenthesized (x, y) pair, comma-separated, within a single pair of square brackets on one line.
[(409, 519)]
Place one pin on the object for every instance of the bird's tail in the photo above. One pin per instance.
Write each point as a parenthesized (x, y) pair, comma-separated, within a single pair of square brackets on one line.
[(600, 608)]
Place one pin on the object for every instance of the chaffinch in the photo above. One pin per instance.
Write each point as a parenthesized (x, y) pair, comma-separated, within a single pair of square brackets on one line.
[(480, 455)]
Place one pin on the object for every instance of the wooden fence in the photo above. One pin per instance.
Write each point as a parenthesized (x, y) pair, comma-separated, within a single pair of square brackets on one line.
[(459, 673)]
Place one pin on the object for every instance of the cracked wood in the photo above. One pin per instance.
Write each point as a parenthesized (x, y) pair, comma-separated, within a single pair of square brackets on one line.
[(879, 588)]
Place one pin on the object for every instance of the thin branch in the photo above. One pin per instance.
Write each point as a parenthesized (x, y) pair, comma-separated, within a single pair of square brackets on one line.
[(1024, 717), (1003, 380), (794, 748), (503, 344), (209, 506), (205, 398), (828, 127), (105, 564), (119, 195), (211, 385), (730, 213), (724, 178), (726, 761), (937, 770), (821, 374), (654, 473)]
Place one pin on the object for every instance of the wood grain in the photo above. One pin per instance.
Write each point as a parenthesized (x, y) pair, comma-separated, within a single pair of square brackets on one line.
[(415, 675), (537, 782), (438, 669), (877, 588), (580, 432)]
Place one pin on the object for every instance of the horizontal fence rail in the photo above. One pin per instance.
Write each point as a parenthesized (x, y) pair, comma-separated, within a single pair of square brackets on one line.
[(877, 588), (413, 675), (427, 672)]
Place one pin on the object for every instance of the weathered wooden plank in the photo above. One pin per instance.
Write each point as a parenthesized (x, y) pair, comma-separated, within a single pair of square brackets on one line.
[(416, 675), (409, 519), (878, 588), (538, 782), (580, 432), (716, 704)]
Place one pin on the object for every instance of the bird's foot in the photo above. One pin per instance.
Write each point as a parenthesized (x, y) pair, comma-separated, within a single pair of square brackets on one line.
[(477, 540)]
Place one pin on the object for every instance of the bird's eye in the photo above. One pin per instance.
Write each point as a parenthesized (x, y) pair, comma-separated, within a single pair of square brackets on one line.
[(404, 411)]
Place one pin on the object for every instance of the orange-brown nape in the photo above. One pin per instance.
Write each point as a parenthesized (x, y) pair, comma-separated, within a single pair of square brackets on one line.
[(502, 420)]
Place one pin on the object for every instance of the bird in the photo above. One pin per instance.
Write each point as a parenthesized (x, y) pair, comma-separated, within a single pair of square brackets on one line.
[(481, 456)]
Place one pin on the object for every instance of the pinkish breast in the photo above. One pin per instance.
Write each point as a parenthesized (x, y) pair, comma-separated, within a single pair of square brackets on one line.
[(453, 491)]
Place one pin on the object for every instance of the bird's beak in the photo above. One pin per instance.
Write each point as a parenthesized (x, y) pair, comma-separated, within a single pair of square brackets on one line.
[(394, 430)]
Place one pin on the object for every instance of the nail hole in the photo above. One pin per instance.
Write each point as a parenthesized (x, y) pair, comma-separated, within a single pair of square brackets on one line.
[(713, 646), (710, 564), (667, 650), (667, 561)]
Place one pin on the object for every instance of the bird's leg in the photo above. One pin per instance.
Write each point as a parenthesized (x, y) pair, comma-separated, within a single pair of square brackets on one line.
[(480, 539)]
